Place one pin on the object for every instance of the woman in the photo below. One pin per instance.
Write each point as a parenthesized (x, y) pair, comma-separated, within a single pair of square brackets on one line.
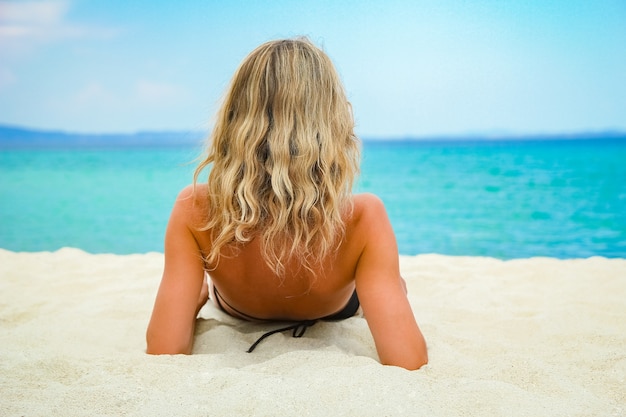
[(276, 228)]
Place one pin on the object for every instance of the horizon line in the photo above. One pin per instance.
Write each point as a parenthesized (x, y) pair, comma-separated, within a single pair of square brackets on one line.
[(500, 134)]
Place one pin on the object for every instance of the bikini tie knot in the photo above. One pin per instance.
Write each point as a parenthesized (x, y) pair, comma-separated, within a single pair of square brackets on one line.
[(299, 328)]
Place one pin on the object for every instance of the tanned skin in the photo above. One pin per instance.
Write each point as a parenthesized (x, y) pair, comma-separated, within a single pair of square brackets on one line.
[(367, 260)]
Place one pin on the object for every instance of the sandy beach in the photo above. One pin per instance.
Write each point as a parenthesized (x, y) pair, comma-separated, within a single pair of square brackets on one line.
[(531, 337)]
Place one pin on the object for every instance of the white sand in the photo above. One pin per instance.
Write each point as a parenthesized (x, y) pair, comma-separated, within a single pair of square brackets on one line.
[(536, 337)]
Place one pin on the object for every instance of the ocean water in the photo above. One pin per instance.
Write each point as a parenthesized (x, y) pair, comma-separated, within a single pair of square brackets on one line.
[(506, 199)]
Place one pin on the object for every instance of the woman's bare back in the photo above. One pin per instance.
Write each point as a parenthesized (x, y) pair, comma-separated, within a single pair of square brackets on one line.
[(246, 283)]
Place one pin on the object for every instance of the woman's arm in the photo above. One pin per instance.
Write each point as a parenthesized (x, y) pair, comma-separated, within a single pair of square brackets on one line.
[(382, 294), (172, 324)]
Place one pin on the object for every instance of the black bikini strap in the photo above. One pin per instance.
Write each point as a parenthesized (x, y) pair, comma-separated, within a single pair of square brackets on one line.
[(220, 300), (298, 328)]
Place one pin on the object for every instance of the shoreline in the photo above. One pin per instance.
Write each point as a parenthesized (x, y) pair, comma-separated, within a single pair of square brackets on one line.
[(400, 255), (525, 337)]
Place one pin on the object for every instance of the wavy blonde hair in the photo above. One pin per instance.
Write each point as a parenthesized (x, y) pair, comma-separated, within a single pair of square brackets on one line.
[(283, 157)]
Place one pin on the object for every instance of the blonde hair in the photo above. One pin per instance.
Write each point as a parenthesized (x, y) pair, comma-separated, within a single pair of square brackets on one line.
[(283, 157)]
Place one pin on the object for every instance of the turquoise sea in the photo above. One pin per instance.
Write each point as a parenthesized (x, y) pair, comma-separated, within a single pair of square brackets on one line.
[(506, 199)]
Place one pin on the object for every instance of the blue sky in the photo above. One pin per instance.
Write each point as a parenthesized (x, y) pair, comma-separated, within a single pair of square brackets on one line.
[(411, 68)]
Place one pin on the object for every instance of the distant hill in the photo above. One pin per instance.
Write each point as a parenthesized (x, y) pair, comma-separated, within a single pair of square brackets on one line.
[(512, 137), (17, 137), (22, 138)]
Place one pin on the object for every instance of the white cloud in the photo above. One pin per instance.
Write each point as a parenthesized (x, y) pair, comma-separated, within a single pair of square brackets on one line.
[(26, 24), (95, 94), (28, 12), (159, 93), (32, 20), (6, 77), (100, 105)]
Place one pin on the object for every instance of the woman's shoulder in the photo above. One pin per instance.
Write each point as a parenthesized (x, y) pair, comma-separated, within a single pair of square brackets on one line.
[(367, 204), (192, 195), (367, 209), (191, 204)]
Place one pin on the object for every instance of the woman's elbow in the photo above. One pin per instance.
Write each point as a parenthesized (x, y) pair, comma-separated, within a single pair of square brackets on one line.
[(153, 349), (419, 362), (422, 357), (409, 361), (412, 364), (159, 346)]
